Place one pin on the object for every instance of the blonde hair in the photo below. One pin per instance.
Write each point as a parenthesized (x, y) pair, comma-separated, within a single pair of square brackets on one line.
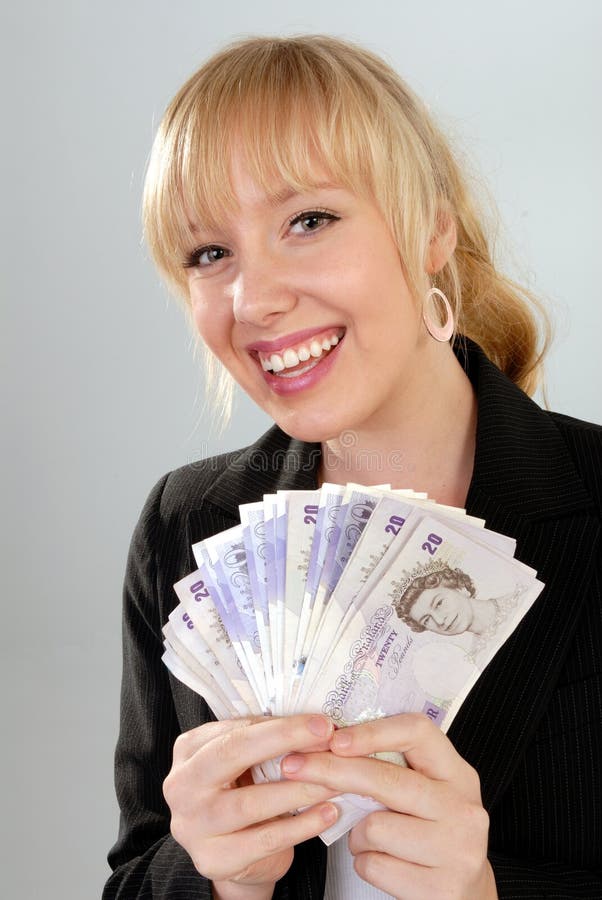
[(289, 104)]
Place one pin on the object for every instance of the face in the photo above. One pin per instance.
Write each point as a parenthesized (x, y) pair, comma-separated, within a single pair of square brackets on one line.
[(443, 610), (304, 301)]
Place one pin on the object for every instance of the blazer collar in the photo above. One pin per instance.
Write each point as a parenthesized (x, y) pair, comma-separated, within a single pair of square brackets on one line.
[(274, 462), (521, 460)]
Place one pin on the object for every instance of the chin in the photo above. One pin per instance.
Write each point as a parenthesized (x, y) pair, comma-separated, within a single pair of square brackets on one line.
[(310, 434)]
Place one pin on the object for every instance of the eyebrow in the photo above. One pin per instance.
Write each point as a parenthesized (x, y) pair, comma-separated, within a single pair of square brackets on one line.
[(288, 193), (276, 199)]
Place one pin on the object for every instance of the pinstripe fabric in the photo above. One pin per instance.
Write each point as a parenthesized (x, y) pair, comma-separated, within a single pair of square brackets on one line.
[(532, 726)]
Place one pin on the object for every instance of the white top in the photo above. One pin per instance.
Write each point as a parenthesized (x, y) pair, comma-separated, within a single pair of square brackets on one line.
[(342, 881)]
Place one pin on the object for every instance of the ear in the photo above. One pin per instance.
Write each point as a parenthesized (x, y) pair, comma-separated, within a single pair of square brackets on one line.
[(442, 244)]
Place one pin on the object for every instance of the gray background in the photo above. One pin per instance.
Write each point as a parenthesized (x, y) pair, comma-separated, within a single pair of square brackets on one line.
[(102, 393)]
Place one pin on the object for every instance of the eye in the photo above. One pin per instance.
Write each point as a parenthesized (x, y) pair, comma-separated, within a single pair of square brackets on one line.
[(311, 220), (206, 256)]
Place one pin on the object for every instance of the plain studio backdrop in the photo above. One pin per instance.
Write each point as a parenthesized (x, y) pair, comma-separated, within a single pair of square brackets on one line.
[(102, 392)]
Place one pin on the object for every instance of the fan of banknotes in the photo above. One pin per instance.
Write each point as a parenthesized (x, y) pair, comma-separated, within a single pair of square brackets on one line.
[(356, 602)]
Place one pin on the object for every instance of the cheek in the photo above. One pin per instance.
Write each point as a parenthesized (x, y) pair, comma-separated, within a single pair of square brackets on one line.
[(213, 327)]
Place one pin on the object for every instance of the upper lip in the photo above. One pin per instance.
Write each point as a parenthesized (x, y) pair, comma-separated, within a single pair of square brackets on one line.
[(288, 340)]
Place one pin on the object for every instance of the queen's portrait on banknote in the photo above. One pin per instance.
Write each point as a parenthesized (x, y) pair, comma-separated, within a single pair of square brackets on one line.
[(361, 655), (446, 601)]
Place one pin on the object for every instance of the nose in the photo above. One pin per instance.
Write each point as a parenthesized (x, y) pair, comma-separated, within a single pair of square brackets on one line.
[(440, 616), (263, 291)]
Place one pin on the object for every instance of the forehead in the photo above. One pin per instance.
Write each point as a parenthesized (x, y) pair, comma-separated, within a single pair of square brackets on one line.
[(249, 191), (273, 189)]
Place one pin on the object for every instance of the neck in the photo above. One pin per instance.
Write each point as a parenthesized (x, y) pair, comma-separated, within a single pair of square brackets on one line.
[(426, 442), (483, 615)]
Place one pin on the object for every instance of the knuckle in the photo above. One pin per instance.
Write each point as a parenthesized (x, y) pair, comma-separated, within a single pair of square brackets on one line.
[(310, 793), (183, 745), (366, 865), (390, 775), (475, 818), (229, 746), (171, 788), (246, 806), (421, 725), (373, 829), (290, 733), (329, 763), (179, 830), (268, 838), (474, 782), (207, 867), (369, 730)]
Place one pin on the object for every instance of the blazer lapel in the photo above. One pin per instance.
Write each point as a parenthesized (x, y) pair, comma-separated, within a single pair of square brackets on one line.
[(275, 462), (525, 485)]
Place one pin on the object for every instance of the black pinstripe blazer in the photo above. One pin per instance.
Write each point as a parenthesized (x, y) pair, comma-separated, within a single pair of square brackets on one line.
[(532, 725)]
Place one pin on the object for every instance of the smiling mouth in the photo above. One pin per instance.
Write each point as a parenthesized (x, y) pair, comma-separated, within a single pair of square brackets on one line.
[(301, 358)]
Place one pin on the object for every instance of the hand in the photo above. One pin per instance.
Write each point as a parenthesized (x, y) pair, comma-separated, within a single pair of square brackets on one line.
[(432, 841), (237, 833)]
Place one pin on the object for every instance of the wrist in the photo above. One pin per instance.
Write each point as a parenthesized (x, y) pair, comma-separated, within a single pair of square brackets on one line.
[(230, 890)]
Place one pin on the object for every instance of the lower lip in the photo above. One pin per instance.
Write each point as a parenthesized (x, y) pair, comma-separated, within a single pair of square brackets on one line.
[(286, 386), (452, 623)]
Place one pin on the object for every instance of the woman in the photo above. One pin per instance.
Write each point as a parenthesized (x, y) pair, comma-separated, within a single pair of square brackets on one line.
[(313, 219)]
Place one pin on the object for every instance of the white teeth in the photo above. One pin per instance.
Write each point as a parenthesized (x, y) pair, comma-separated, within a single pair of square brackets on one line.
[(290, 358)]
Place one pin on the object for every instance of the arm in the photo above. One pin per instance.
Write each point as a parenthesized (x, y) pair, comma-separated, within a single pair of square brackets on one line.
[(146, 860)]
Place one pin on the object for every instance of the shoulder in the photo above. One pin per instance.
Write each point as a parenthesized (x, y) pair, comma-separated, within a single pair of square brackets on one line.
[(577, 428), (178, 492), (583, 441)]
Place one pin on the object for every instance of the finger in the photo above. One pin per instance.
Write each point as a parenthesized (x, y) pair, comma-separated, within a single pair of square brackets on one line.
[(425, 747), (398, 878), (187, 743), (222, 759), (242, 807), (262, 841), (404, 837), (394, 786)]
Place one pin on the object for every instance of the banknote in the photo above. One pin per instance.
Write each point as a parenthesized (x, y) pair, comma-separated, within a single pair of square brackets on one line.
[(354, 601), (301, 513), (200, 601), (259, 552)]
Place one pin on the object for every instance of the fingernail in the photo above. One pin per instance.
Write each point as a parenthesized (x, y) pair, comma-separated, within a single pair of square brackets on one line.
[(329, 813), (319, 726), (291, 763), (341, 740)]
